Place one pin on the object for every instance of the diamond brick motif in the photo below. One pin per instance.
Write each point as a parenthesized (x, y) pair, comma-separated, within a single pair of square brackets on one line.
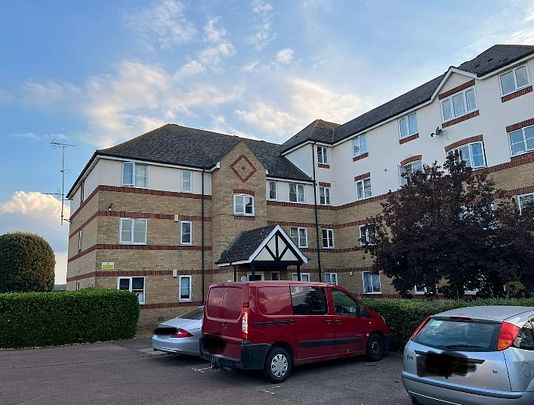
[(243, 168)]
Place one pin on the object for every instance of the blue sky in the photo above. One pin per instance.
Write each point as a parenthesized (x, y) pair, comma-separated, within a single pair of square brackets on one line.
[(95, 73)]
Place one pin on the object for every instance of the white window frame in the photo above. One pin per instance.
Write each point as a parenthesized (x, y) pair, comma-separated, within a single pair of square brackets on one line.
[(524, 138), (324, 195), (302, 242), (469, 146), (275, 189), (182, 233), (183, 175), (256, 273), (298, 197), (303, 277), (331, 278), (406, 121), (80, 240), (190, 281), (364, 283), (405, 175), (329, 238), (132, 233), (322, 157), (363, 241), (514, 74), (520, 204), (359, 142), (244, 213), (134, 182), (420, 291), (361, 183), (141, 298), (464, 102)]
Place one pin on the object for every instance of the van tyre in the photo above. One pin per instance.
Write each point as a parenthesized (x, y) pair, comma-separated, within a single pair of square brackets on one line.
[(375, 347), (277, 365)]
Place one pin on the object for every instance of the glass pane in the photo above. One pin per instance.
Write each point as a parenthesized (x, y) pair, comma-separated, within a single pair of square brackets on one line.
[(185, 288), (507, 83), (140, 297), (249, 205), (126, 233), (458, 105), (376, 282), (327, 195), (516, 142), (344, 304), (124, 284), (127, 173), (293, 192), (303, 237), (186, 181), (403, 127), (470, 100), (529, 137), (464, 155), (272, 190), (367, 187), (521, 76), (239, 208), (447, 110), (138, 283), (525, 200), (477, 155), (294, 235), (300, 189), (140, 231), (412, 124), (308, 300), (363, 143), (140, 175), (356, 146), (325, 238), (186, 232), (359, 189)]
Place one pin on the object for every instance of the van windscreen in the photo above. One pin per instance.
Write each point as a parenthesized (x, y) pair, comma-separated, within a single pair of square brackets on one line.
[(274, 300)]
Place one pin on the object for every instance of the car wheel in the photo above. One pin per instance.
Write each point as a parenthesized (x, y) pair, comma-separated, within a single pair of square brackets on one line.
[(277, 365), (375, 347)]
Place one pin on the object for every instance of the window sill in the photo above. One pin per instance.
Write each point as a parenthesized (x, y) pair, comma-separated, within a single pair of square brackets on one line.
[(186, 244), (186, 300), (329, 247), (408, 138), (132, 244), (360, 157), (373, 293), (245, 217), (323, 165), (515, 94), (462, 118)]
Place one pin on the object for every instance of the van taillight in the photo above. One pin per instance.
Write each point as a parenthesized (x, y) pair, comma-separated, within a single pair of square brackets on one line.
[(416, 332), (507, 335), (244, 323)]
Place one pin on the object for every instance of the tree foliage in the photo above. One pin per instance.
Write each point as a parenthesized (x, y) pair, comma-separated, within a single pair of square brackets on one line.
[(444, 229), (26, 263)]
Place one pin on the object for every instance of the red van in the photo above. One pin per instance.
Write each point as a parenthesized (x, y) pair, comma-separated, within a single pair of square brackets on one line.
[(275, 325)]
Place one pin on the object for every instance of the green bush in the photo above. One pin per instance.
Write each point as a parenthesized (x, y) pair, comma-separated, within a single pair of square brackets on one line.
[(55, 318), (404, 315)]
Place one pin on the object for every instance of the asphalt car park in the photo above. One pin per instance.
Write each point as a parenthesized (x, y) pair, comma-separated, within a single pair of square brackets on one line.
[(131, 372)]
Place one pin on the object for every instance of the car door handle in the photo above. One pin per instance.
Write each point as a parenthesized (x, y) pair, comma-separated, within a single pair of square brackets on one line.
[(338, 321), (225, 325), (328, 322)]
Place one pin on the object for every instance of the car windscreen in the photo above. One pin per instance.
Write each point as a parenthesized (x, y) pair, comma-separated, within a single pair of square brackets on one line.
[(459, 335), (195, 313)]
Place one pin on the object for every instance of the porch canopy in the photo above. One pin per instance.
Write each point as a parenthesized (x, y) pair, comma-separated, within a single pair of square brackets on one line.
[(269, 246)]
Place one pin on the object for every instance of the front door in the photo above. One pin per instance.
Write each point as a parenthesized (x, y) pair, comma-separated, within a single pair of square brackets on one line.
[(351, 327)]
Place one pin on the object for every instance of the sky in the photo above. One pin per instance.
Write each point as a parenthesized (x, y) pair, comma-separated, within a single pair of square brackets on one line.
[(95, 73)]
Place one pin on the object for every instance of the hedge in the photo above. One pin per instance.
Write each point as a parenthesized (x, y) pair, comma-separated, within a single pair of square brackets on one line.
[(54, 318), (404, 315)]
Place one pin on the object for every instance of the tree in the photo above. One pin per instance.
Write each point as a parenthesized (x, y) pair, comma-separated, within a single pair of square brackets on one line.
[(442, 229), (26, 263)]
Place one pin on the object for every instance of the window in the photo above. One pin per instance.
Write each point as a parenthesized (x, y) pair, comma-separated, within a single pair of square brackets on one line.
[(77, 285), (408, 125), (459, 104), (324, 195), (344, 304), (525, 338), (420, 289), (275, 275), (134, 174), (371, 283), (408, 170), (359, 145), (272, 190), (296, 192), (303, 277), (299, 236), (363, 189), (82, 191), (472, 154), (243, 204), (328, 238), (133, 284), (80, 240), (133, 231), (522, 140), (186, 233), (322, 156), (184, 288), (514, 80), (367, 234), (187, 181), (524, 200), (308, 300), (330, 278)]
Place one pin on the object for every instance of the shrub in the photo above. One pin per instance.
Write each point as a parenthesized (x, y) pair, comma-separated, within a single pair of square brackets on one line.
[(26, 263), (404, 315), (55, 318)]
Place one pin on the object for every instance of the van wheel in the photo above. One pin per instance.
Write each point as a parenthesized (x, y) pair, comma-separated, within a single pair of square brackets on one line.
[(277, 365), (375, 347)]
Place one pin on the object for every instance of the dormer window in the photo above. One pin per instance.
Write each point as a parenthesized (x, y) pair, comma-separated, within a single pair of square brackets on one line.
[(458, 104), (514, 80), (408, 125)]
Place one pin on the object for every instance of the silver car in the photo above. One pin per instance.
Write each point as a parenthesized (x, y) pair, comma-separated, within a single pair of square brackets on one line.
[(475, 355), (180, 334)]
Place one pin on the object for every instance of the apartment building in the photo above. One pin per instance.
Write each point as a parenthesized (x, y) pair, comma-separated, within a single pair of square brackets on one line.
[(172, 211)]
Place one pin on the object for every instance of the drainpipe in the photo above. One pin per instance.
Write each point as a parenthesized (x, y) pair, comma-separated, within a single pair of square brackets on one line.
[(316, 214), (202, 253)]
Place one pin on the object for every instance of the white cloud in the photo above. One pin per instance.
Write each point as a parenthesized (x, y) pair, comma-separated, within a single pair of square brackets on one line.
[(285, 55), (263, 34), (268, 118), (35, 205), (525, 36), (51, 93), (212, 32), (163, 23), (211, 57)]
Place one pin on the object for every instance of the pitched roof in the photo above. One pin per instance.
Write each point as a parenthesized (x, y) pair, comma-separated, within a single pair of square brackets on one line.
[(177, 145), (488, 61), (245, 244), (318, 130)]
